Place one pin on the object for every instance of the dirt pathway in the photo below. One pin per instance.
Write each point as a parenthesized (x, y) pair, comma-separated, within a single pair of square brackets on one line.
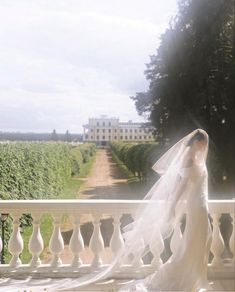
[(105, 181)]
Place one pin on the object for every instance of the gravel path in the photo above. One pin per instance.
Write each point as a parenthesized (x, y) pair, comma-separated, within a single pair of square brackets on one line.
[(105, 181)]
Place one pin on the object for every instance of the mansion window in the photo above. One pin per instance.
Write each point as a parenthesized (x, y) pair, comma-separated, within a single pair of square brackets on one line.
[(121, 137), (140, 137), (126, 137), (103, 123), (103, 137)]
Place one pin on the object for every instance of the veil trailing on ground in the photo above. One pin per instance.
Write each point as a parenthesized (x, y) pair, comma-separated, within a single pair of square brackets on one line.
[(152, 217)]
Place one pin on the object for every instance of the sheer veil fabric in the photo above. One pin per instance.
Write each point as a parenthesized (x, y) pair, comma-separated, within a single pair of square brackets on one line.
[(152, 218)]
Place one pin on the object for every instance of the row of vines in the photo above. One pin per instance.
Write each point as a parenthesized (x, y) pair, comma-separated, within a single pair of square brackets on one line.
[(39, 170)]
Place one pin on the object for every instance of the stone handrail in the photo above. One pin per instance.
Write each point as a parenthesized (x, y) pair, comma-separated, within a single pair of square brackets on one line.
[(97, 210)]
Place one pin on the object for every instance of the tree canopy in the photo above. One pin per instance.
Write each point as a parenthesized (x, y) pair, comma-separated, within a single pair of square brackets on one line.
[(192, 78)]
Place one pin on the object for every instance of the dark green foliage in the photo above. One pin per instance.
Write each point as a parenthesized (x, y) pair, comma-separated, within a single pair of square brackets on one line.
[(33, 170), (87, 150), (81, 154), (39, 170), (191, 83), (77, 160), (138, 157)]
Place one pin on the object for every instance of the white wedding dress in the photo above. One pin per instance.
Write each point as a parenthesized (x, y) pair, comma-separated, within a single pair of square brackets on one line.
[(186, 269)]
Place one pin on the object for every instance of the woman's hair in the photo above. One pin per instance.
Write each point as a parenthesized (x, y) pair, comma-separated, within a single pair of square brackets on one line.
[(199, 136)]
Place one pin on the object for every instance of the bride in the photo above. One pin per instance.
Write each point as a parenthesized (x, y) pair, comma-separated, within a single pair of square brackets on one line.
[(186, 269), (184, 179), (181, 189)]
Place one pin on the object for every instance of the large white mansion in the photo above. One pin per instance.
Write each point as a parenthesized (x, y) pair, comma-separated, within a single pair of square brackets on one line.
[(102, 130)]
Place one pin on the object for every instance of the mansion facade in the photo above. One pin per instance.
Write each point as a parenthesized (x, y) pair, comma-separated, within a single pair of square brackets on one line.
[(104, 130)]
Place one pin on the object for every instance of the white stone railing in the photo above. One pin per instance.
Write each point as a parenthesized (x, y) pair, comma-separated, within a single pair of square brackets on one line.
[(97, 210)]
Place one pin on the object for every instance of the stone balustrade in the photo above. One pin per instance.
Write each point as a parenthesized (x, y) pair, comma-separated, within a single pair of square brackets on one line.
[(98, 210)]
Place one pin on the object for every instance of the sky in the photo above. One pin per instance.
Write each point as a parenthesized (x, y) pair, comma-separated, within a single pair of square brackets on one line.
[(64, 61)]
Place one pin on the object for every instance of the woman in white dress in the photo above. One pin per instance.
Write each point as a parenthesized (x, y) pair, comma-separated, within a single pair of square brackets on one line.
[(184, 180), (181, 189), (186, 270)]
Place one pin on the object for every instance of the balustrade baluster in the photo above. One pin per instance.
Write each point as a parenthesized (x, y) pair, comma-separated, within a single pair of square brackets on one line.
[(16, 244), (217, 246), (36, 242), (76, 243), (116, 241), (96, 242), (157, 248), (56, 244), (232, 239), (138, 262)]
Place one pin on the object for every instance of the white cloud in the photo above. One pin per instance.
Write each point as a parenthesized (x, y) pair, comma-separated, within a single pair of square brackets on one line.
[(65, 61)]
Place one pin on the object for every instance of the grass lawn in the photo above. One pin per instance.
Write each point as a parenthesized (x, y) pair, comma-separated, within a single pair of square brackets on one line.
[(46, 227)]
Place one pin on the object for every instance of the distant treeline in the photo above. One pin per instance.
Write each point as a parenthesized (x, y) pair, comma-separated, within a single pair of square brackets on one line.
[(30, 136)]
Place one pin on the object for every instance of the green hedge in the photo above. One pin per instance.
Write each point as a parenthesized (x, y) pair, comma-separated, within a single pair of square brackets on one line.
[(81, 154), (138, 157), (39, 170)]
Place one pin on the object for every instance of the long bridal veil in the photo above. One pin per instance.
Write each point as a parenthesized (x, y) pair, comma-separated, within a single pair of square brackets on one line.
[(151, 218)]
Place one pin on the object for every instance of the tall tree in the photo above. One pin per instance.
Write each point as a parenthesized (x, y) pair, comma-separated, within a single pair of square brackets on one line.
[(68, 137), (192, 80), (54, 135)]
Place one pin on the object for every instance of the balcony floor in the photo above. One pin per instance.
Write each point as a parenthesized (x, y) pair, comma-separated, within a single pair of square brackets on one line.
[(108, 285)]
